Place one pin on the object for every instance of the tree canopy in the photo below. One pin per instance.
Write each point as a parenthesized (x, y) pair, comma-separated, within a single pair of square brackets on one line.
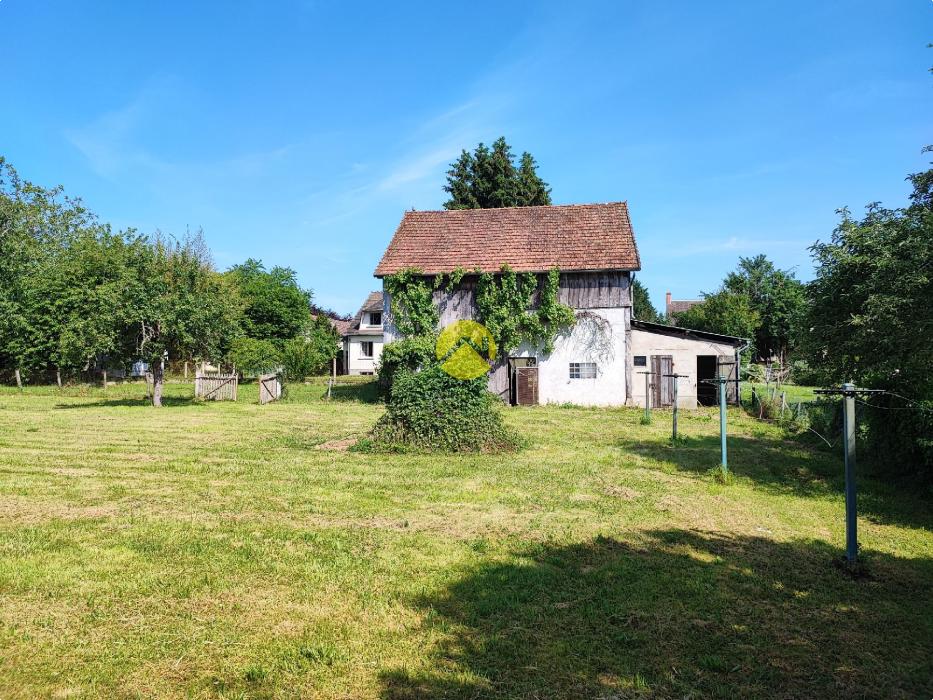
[(870, 320), (490, 179), (275, 307), (642, 308), (75, 296), (778, 298)]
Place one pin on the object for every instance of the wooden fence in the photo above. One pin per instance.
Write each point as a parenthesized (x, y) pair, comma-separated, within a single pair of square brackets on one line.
[(215, 387), (270, 387)]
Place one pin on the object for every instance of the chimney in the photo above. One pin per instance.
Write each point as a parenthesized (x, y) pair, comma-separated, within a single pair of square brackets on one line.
[(668, 304)]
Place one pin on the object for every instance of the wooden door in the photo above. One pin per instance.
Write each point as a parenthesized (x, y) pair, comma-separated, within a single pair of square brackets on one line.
[(526, 391), (662, 393), (728, 368)]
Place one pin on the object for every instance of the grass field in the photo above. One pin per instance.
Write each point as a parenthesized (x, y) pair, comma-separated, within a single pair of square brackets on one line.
[(239, 551)]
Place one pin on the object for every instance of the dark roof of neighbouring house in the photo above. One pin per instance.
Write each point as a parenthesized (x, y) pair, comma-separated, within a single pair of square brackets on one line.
[(678, 305), (687, 333), (339, 324), (572, 237), (373, 303)]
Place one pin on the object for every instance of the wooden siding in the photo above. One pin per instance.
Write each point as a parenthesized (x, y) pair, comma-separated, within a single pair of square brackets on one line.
[(578, 290), (595, 290)]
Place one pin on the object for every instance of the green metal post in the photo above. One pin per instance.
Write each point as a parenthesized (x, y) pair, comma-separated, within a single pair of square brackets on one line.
[(848, 432), (647, 396), (722, 422), (675, 407)]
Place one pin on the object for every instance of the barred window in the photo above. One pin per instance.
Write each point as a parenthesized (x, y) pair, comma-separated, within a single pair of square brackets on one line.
[(583, 370)]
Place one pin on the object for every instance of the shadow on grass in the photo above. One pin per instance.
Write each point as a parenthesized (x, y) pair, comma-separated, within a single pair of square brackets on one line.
[(788, 466), (367, 392), (167, 402), (679, 614)]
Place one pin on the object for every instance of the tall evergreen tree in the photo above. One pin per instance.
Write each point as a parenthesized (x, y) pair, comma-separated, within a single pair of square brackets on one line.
[(489, 179), (642, 308)]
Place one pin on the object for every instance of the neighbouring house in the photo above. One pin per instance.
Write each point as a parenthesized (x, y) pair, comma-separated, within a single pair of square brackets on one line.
[(676, 306), (593, 246), (363, 338)]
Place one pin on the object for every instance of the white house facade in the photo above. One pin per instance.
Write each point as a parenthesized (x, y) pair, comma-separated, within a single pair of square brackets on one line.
[(363, 340)]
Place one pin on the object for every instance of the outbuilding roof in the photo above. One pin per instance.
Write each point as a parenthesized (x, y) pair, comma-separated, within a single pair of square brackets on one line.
[(689, 333), (572, 237)]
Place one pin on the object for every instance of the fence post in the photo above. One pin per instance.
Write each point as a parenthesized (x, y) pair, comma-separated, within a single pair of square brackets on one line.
[(105, 378), (58, 377), (722, 422), (848, 429), (19, 379)]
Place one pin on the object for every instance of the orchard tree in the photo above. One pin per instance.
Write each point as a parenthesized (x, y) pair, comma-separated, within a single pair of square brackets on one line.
[(490, 179), (870, 320), (778, 298), (275, 305), (35, 225), (723, 312), (179, 307)]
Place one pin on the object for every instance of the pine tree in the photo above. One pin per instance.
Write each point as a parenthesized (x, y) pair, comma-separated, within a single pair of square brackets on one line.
[(489, 179)]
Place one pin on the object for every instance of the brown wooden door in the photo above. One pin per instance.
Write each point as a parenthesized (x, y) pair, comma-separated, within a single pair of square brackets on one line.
[(662, 393), (526, 380)]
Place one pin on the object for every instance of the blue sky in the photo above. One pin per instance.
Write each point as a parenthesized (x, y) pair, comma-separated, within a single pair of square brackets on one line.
[(299, 131)]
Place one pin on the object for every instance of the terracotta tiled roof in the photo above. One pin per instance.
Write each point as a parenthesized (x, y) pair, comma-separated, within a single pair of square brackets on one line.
[(373, 303), (678, 305), (528, 239)]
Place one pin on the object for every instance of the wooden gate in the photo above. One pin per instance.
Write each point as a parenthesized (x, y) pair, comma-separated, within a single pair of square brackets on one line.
[(662, 388), (270, 388), (526, 390), (215, 387)]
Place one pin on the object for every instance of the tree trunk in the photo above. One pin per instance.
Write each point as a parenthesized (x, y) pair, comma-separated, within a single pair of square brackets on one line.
[(105, 379), (19, 379), (58, 377), (157, 374)]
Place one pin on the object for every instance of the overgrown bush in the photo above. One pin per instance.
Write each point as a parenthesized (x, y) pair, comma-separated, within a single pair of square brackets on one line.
[(405, 354), (430, 410)]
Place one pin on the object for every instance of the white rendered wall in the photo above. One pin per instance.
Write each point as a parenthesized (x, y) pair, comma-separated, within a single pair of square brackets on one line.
[(587, 342), (684, 352), (356, 363)]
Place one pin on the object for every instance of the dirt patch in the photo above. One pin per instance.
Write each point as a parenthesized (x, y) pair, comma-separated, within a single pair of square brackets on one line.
[(621, 492), (341, 445)]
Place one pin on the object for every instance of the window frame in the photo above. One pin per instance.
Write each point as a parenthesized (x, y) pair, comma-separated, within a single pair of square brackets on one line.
[(372, 349), (582, 370), (371, 321), (643, 358)]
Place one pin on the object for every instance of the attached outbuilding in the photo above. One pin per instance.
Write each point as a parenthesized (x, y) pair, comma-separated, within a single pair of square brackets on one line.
[(697, 356)]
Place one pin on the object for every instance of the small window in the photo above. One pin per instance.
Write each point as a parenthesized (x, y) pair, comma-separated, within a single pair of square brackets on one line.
[(375, 318), (366, 348), (583, 370), (641, 360)]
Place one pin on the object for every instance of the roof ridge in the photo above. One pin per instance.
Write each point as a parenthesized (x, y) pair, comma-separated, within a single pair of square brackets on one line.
[(623, 202)]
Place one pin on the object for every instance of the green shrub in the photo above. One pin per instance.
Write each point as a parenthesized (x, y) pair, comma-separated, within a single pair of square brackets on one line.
[(301, 358), (429, 409), (405, 354), (253, 356)]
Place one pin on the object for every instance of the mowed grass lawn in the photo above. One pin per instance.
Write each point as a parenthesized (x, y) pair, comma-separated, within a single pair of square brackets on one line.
[(232, 550)]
